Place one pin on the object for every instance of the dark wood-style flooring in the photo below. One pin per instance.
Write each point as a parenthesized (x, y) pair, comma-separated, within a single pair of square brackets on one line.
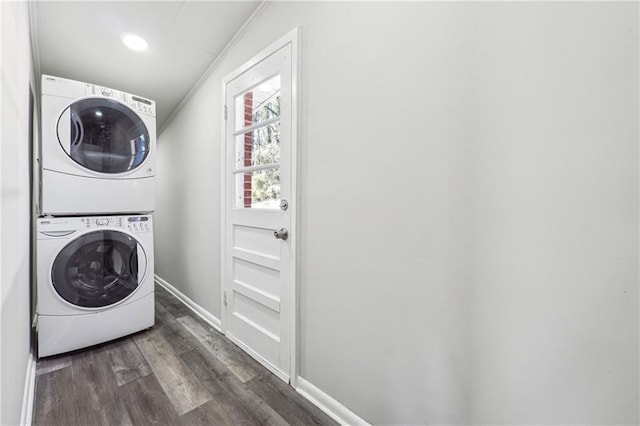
[(179, 372)]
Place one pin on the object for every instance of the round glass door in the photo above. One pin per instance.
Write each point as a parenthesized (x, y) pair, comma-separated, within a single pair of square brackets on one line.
[(103, 135), (98, 269)]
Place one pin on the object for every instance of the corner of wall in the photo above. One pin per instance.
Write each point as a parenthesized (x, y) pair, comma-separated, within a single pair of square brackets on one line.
[(197, 309)]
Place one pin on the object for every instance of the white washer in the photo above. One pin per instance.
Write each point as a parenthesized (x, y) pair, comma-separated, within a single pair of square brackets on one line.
[(94, 280), (98, 150)]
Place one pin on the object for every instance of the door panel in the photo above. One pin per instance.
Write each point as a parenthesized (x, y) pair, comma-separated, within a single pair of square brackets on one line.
[(261, 296), (263, 345), (256, 312), (256, 239), (263, 278), (258, 166)]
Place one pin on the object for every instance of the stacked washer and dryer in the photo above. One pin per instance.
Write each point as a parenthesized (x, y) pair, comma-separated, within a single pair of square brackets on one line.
[(95, 230)]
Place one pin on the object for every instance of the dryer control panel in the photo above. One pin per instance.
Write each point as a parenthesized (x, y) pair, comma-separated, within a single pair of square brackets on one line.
[(97, 222), (136, 103)]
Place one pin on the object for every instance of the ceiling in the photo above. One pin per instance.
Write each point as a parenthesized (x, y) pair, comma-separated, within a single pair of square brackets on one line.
[(80, 40)]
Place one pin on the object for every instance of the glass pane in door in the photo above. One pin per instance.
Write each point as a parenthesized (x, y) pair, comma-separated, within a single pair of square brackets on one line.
[(260, 104), (258, 189), (258, 147)]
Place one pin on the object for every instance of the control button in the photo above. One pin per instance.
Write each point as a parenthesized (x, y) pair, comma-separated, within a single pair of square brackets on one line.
[(102, 221), (106, 92)]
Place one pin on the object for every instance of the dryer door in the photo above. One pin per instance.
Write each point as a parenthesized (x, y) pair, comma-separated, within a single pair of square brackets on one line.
[(99, 269), (103, 135)]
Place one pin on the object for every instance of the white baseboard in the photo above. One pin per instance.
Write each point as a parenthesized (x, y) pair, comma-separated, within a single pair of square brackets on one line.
[(197, 309), (330, 406), (29, 391)]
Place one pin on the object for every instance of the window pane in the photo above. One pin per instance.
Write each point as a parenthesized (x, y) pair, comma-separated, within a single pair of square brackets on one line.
[(258, 190), (260, 104), (259, 147)]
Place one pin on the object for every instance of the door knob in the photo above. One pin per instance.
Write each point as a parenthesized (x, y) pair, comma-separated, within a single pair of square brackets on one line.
[(282, 234)]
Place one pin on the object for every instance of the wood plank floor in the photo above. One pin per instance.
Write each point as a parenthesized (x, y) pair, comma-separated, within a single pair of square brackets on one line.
[(179, 372)]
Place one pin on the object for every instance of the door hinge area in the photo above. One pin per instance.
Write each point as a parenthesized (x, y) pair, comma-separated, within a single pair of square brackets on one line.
[(225, 112), (225, 298)]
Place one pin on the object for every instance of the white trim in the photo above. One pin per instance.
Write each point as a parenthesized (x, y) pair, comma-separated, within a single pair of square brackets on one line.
[(292, 37), (250, 169), (29, 391), (223, 208), (296, 35), (197, 309), (330, 406), (223, 53), (258, 125)]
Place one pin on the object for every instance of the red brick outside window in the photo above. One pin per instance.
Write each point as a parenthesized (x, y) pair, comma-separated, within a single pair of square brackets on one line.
[(248, 146)]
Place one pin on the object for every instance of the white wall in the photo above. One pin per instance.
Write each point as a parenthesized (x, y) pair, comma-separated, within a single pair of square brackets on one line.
[(187, 218), (469, 199), (14, 207), (554, 202)]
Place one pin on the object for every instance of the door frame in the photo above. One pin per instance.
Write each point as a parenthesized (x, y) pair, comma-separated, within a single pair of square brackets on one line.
[(292, 38)]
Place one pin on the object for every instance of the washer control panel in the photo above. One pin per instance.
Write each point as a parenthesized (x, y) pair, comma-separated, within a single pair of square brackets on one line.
[(139, 224), (50, 227), (136, 103)]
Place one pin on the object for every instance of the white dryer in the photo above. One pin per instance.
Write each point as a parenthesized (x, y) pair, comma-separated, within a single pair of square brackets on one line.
[(98, 150), (94, 280)]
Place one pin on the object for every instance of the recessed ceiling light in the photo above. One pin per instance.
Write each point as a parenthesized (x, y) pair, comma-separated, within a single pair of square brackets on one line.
[(134, 42)]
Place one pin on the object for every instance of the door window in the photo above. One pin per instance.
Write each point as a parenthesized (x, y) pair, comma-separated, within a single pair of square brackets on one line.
[(103, 135), (257, 145), (98, 269)]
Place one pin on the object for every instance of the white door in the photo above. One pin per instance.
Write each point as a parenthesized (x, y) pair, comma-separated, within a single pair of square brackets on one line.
[(258, 253)]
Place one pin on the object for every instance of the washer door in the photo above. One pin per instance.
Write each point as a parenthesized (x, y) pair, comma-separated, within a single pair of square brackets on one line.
[(103, 135), (99, 269)]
